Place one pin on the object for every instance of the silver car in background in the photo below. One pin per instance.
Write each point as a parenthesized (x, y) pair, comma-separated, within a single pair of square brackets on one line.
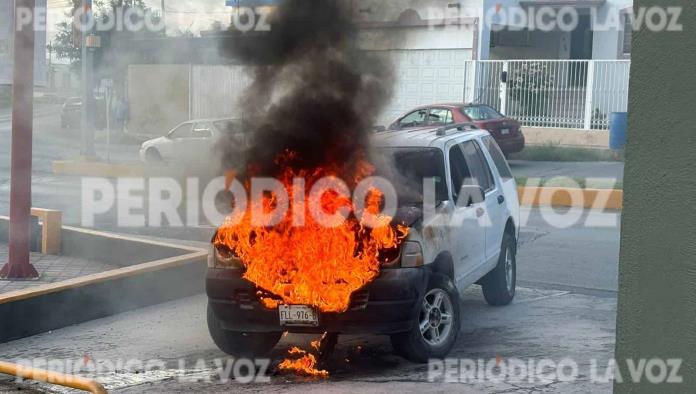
[(192, 141)]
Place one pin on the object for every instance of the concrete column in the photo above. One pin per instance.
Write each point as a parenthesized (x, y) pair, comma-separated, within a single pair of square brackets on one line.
[(19, 265), (657, 271)]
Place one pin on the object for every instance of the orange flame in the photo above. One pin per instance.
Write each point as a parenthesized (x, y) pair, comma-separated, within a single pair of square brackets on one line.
[(305, 365), (311, 264)]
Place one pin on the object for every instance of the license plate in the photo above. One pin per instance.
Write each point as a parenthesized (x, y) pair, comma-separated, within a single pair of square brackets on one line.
[(504, 131), (298, 315)]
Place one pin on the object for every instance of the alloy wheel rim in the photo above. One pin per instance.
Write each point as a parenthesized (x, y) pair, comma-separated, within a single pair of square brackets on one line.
[(436, 317), (509, 274)]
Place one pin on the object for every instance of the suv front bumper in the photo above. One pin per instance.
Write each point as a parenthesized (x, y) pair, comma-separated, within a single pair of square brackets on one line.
[(390, 304)]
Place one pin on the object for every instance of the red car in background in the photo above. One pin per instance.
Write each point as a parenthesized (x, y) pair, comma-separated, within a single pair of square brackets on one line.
[(506, 131)]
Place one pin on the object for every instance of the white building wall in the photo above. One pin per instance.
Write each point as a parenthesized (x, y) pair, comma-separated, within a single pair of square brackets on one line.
[(607, 40)]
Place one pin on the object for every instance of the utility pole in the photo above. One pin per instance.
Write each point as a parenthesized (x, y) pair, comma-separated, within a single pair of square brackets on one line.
[(49, 77), (19, 265), (164, 20), (88, 103)]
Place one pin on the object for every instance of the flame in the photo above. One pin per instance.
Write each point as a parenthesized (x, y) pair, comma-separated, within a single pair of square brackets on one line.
[(305, 365), (311, 264), (305, 262)]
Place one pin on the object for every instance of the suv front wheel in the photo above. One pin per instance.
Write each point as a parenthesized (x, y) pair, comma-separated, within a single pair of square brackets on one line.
[(437, 326)]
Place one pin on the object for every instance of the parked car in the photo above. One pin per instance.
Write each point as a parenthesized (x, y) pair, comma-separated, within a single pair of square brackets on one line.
[(470, 239), (71, 113), (506, 131), (192, 141)]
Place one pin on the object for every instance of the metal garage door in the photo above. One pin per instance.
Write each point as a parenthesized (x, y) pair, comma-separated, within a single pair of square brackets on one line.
[(426, 77), (422, 77)]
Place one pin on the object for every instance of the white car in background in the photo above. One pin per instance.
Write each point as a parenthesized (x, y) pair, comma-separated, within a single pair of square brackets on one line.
[(192, 141)]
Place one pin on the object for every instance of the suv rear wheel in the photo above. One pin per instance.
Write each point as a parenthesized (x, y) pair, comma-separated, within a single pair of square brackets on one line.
[(437, 325), (499, 284), (241, 344)]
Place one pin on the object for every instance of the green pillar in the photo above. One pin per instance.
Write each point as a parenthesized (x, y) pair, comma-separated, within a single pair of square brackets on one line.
[(657, 270)]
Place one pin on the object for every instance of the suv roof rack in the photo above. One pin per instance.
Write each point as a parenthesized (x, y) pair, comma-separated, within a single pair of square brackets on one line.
[(465, 126)]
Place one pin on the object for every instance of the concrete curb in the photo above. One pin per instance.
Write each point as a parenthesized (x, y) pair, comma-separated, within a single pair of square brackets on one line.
[(174, 271), (98, 169), (570, 197)]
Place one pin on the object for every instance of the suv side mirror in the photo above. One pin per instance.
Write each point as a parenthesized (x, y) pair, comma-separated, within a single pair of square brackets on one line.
[(470, 195)]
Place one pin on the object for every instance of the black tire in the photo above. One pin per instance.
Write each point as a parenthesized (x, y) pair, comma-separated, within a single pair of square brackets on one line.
[(153, 156), (241, 344), (499, 284), (416, 345)]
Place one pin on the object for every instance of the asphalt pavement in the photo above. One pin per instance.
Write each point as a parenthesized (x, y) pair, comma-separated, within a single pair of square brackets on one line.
[(552, 169), (540, 326)]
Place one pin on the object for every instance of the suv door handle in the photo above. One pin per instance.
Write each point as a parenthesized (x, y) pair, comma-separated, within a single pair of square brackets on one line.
[(480, 212), (501, 199)]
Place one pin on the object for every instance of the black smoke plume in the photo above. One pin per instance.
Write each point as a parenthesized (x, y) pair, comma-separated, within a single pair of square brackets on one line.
[(313, 91)]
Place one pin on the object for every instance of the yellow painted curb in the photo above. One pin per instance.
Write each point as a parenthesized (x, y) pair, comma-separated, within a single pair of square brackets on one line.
[(98, 169), (56, 378), (570, 197)]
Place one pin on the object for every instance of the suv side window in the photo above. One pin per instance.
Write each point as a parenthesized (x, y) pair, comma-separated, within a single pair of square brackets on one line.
[(440, 116), (459, 170), (498, 157), (480, 172), (415, 118)]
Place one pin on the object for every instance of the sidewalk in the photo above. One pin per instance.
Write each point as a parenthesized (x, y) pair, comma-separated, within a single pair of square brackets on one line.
[(538, 325), (52, 269)]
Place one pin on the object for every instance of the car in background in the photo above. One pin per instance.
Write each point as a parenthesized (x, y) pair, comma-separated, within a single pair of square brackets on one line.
[(506, 131), (193, 141), (71, 113)]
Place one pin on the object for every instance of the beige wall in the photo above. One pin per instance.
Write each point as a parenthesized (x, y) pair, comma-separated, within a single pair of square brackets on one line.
[(567, 137), (158, 98)]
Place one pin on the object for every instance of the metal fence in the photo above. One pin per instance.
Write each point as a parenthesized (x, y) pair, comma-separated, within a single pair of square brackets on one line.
[(576, 94)]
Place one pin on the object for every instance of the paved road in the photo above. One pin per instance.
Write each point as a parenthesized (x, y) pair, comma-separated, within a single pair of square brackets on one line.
[(540, 324), (552, 169), (579, 255)]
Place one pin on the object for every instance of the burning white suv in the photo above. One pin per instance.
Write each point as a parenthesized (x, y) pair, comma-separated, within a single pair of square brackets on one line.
[(459, 199)]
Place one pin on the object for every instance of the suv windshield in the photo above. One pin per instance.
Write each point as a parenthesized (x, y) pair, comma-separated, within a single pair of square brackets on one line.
[(481, 112), (406, 168)]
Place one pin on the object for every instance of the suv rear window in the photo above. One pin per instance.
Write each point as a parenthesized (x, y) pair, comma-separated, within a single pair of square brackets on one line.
[(481, 112)]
